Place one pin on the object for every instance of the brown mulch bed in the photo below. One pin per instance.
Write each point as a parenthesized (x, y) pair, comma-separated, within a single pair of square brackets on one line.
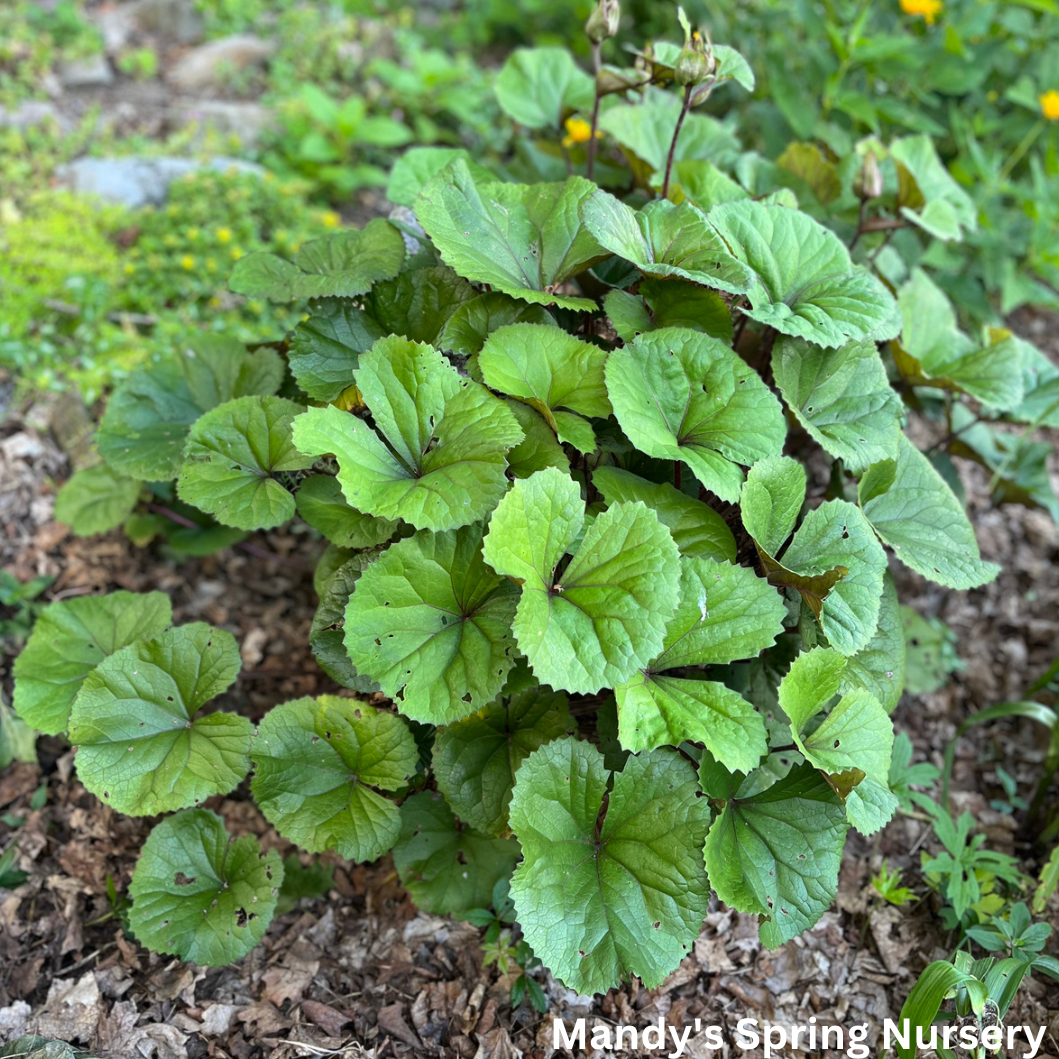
[(360, 972)]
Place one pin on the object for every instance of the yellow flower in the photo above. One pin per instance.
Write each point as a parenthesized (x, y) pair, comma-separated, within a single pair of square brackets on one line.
[(224, 235), (330, 219), (237, 252), (925, 9), (1050, 104), (193, 234), (578, 131), (187, 262), (130, 268)]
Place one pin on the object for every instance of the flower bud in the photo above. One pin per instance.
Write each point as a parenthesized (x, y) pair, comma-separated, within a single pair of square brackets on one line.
[(695, 62), (602, 24), (868, 183)]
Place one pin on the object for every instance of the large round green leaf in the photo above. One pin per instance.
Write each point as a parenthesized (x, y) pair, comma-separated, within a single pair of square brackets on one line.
[(915, 512), (683, 395), (538, 86), (803, 282), (95, 500), (232, 458), (522, 239), (438, 457), (432, 624), (609, 885), (69, 640), (777, 853), (597, 622), (446, 869), (142, 746), (200, 894), (319, 768), (475, 760)]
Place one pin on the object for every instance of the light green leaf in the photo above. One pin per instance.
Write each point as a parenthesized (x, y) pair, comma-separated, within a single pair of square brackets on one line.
[(319, 767), (327, 636), (645, 131), (771, 501), (440, 460), (142, 746), (540, 448), (95, 500), (549, 370), (445, 870), (682, 395), (837, 535), (698, 531), (232, 458), (539, 86), (474, 321), (803, 282), (599, 902), (341, 265), (879, 667), (777, 853), (419, 165), (325, 349), (475, 760), (915, 512), (931, 198), (663, 241), (668, 303), (145, 426), (703, 185), (870, 805), (200, 894), (432, 624), (605, 616), (321, 503), (524, 240), (69, 640), (842, 397)]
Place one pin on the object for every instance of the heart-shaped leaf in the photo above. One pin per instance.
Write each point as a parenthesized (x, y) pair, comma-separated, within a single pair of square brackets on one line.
[(842, 397), (663, 240), (525, 240), (803, 282), (682, 395), (474, 321), (69, 640), (200, 894), (445, 869), (142, 745), (552, 371), (320, 766), (231, 460), (538, 86), (915, 512), (432, 624), (95, 500), (475, 760), (419, 165), (341, 265), (325, 349), (594, 624), (609, 885), (438, 458)]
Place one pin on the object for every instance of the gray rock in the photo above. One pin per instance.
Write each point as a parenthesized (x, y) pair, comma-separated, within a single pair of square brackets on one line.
[(93, 72), (30, 113), (247, 121), (136, 182), (175, 20), (208, 64), (116, 26)]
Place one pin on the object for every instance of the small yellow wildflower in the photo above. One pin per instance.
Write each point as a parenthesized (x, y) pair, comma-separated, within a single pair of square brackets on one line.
[(187, 262), (130, 268), (578, 131), (925, 9), (224, 235), (193, 234), (1050, 104), (330, 219), (237, 252)]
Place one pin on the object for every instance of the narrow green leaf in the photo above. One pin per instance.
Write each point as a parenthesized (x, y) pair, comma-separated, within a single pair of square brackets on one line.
[(327, 635)]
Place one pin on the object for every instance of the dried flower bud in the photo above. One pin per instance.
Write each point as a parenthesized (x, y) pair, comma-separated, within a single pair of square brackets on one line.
[(868, 183), (695, 63), (602, 24)]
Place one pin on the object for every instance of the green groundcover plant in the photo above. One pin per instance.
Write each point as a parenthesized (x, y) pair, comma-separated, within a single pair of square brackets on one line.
[(608, 476)]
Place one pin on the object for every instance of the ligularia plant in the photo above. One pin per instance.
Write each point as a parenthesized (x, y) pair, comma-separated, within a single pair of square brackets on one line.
[(556, 434)]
